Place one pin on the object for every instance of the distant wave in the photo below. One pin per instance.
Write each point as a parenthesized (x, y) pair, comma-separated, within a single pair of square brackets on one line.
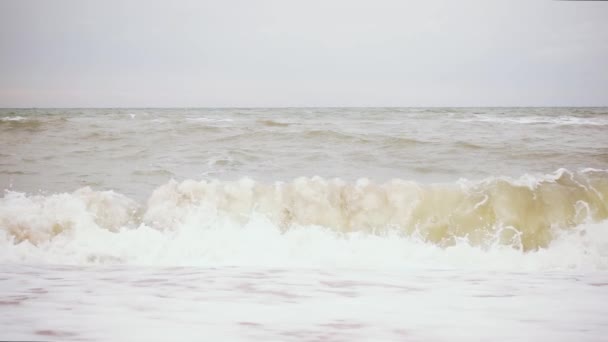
[(556, 120), (272, 123), (253, 135), (205, 119), (12, 118), (20, 122), (334, 135), (28, 123)]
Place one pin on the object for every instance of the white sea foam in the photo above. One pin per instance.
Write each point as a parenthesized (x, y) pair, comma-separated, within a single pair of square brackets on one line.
[(564, 120), (13, 118), (214, 241), (244, 223)]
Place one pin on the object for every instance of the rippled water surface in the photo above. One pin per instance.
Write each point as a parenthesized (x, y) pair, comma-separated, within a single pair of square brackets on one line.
[(134, 150)]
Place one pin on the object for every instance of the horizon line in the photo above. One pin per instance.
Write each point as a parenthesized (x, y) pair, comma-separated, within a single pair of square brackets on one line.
[(300, 107)]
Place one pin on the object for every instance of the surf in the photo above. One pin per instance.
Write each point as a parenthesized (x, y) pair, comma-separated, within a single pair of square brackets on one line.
[(244, 220)]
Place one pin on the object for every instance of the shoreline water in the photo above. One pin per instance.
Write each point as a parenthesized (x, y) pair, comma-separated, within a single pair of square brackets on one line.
[(300, 304)]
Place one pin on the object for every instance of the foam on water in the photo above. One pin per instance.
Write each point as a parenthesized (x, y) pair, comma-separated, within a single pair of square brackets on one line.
[(555, 221), (13, 118), (563, 120)]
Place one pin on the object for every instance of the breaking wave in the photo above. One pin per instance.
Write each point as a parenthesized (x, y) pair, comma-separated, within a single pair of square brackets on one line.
[(12, 119), (28, 123), (563, 120), (547, 221), (19, 123)]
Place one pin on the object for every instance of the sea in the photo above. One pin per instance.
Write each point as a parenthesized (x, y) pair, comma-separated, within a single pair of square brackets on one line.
[(304, 224)]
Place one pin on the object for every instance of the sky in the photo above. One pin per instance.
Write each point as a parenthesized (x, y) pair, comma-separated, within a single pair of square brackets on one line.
[(265, 53)]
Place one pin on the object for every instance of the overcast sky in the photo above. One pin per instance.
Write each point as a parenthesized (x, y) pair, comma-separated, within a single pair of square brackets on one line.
[(232, 53)]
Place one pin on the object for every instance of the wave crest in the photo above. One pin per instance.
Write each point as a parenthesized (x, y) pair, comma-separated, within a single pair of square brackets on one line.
[(550, 222), (524, 213), (38, 219)]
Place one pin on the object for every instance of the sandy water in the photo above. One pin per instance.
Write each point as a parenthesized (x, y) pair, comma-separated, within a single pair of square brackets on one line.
[(304, 224)]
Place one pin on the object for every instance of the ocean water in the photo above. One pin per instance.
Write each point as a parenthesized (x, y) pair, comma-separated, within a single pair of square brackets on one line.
[(304, 224)]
